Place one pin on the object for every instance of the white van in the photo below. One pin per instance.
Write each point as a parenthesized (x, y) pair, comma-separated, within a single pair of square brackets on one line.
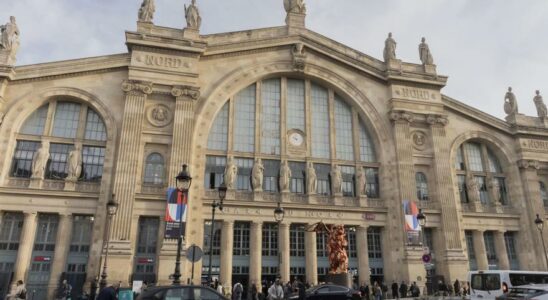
[(494, 283)]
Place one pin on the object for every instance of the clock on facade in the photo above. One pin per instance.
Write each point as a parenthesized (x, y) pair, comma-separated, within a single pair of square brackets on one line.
[(296, 139)]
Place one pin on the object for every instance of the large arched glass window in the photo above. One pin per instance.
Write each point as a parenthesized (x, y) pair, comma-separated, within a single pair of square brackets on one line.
[(422, 186), (66, 125), (543, 193), (154, 169), (479, 162), (296, 119)]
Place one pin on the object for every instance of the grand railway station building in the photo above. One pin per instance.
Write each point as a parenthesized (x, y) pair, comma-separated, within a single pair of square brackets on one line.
[(375, 132)]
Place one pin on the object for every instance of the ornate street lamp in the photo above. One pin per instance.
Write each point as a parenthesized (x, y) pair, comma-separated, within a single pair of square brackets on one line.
[(214, 205), (112, 208), (540, 227), (279, 217), (422, 222), (183, 182)]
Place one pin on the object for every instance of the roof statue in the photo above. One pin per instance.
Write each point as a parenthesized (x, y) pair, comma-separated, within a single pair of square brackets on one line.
[(389, 48), (9, 41), (295, 6), (539, 104), (192, 15), (146, 12), (510, 103), (425, 54)]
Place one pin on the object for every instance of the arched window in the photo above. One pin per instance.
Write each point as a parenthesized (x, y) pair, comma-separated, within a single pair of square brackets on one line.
[(422, 186), (154, 169), (66, 125), (543, 193), (297, 119), (479, 162)]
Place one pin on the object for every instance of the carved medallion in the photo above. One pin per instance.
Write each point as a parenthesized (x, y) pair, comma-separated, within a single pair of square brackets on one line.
[(159, 115), (419, 140)]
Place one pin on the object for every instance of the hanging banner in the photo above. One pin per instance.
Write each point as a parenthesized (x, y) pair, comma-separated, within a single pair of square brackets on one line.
[(176, 208), (412, 227)]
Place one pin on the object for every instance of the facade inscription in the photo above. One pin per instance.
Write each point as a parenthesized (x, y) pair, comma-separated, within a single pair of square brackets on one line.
[(163, 61), (535, 144), (414, 93)]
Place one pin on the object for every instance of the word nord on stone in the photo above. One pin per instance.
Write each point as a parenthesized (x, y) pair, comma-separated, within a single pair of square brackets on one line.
[(161, 61)]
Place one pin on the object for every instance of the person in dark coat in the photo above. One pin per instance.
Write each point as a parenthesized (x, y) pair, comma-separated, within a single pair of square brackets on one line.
[(109, 293), (403, 289), (367, 292), (395, 291), (302, 290), (254, 291)]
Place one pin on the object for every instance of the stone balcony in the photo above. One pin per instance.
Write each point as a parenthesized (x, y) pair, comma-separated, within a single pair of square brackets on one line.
[(488, 208), (55, 185)]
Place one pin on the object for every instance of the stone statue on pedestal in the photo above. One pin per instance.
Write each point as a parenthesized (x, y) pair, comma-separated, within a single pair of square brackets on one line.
[(336, 180), (9, 39), (231, 171), (541, 107), (510, 103), (295, 6), (495, 190), (425, 54), (192, 15), (257, 174), (40, 161), (362, 182), (472, 187), (285, 175), (75, 164), (311, 179), (389, 48), (146, 12)]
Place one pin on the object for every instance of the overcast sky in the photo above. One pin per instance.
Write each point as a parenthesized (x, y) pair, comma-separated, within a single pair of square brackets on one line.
[(484, 46)]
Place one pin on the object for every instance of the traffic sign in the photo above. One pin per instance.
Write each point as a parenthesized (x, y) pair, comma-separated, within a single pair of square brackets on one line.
[(194, 253), (426, 258), (426, 250)]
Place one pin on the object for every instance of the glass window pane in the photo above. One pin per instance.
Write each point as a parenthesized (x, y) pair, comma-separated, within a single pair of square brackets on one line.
[(484, 192), (22, 159), (95, 127), (93, 159), (218, 136), (502, 191), (270, 117), (36, 122), (270, 239), (215, 168), (66, 119), (241, 238), (473, 153), (148, 235), (367, 150), (154, 169), (463, 191), (322, 175), (494, 165), (459, 163), (297, 183), (270, 178), (511, 250), (348, 178), (320, 122), (58, 167), (543, 193), (471, 251), (373, 188), (244, 120), (243, 180), (296, 240), (374, 243), (295, 104), (490, 249), (216, 249), (343, 130), (422, 186)]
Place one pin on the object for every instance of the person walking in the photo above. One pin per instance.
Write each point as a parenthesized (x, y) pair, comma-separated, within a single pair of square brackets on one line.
[(415, 291), (456, 287), (220, 289), (276, 292), (301, 290), (20, 292), (65, 291), (237, 291), (254, 291), (395, 287), (377, 291), (109, 292), (403, 289)]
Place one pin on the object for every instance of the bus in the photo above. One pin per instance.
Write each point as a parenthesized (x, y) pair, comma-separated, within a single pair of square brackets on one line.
[(494, 283)]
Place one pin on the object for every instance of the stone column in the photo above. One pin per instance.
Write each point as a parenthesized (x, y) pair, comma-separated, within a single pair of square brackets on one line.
[(62, 244), (502, 254), (364, 271), (227, 244), (255, 261), (22, 264), (311, 256), (479, 248), (284, 254)]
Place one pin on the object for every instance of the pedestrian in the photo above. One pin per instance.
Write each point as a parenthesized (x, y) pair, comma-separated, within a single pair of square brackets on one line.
[(220, 289), (362, 290), (403, 289), (65, 290), (395, 287), (109, 292), (301, 290), (415, 291), (367, 292), (265, 290), (254, 291), (276, 292), (377, 291), (93, 289), (20, 291), (237, 291), (384, 290), (456, 287)]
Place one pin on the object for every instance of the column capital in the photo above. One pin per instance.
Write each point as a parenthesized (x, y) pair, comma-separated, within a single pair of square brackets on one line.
[(528, 163), (185, 91), (437, 120), (402, 116), (137, 86)]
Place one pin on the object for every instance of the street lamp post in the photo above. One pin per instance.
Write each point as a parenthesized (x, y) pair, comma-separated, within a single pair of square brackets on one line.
[(112, 208), (540, 227), (214, 205), (422, 222), (183, 182), (279, 217)]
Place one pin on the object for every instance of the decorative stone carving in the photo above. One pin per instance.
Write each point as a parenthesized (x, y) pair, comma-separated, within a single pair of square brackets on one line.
[(539, 104), (494, 186), (146, 12), (336, 180), (40, 161), (525, 164), (401, 115), (437, 120), (231, 170), (285, 175), (75, 164), (134, 86), (257, 174), (9, 39), (188, 91), (295, 6), (362, 182), (159, 115), (311, 179), (389, 48), (336, 246), (510, 103), (192, 15), (472, 187), (299, 57), (425, 54), (419, 140)]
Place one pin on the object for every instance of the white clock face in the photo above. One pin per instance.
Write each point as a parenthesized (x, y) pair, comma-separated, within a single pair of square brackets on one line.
[(296, 139)]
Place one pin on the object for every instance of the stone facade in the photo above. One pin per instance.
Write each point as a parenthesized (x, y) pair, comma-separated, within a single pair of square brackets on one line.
[(163, 97)]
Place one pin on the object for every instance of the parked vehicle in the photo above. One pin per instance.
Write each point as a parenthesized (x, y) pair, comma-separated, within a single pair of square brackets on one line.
[(493, 283), (182, 292), (531, 291), (329, 292)]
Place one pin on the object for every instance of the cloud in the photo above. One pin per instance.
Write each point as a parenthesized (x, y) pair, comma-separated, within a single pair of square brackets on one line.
[(483, 46)]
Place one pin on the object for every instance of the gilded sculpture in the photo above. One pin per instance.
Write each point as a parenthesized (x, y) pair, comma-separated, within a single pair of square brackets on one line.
[(336, 246)]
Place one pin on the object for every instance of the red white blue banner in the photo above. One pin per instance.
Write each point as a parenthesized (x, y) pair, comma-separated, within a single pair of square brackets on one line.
[(176, 208), (412, 226)]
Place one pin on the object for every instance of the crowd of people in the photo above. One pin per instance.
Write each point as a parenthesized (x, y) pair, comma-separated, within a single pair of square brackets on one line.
[(274, 290), (379, 291)]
